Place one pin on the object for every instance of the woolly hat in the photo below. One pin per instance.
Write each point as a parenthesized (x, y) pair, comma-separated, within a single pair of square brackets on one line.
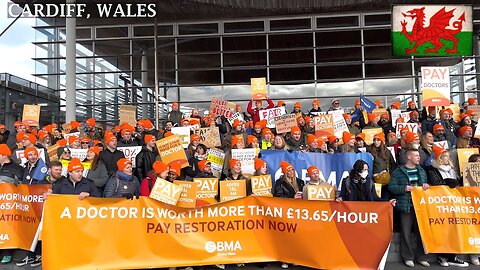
[(159, 167), (94, 149), (437, 127), (295, 129), (168, 134), (280, 103), (462, 130), (371, 117), (331, 138), (72, 139), (347, 136), (29, 150), (235, 140), (410, 136), (122, 163), (251, 139), (437, 151), (400, 120), (202, 164), (311, 138), (285, 166), (311, 170), (380, 136), (411, 102), (148, 138), (360, 136), (396, 105), (412, 113), (75, 164), (346, 116), (431, 109), (471, 101), (175, 167), (145, 123), (91, 122), (378, 103), (297, 105), (4, 150), (62, 142), (194, 137), (41, 134), (463, 115), (30, 137), (357, 102), (236, 123), (110, 138), (259, 164), (233, 162), (315, 102), (85, 139), (265, 131)]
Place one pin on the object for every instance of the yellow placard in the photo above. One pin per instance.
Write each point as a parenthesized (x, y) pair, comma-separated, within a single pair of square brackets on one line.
[(166, 192), (320, 193), (262, 185), (188, 196), (378, 189), (232, 189), (207, 191), (259, 88), (463, 155), (171, 149), (369, 133)]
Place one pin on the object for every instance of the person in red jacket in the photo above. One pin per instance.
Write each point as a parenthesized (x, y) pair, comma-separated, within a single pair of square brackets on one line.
[(254, 112), (160, 169)]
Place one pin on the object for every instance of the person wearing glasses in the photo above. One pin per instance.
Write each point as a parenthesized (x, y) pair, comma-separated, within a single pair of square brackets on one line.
[(335, 105)]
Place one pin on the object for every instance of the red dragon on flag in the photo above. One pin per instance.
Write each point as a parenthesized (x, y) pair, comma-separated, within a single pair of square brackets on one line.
[(434, 32)]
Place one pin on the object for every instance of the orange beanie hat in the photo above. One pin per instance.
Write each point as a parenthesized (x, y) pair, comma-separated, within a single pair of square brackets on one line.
[(75, 164), (233, 162), (311, 170), (259, 164), (437, 151), (285, 166), (122, 163), (159, 167)]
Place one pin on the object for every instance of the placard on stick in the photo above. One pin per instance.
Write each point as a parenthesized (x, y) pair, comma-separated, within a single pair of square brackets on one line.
[(259, 88)]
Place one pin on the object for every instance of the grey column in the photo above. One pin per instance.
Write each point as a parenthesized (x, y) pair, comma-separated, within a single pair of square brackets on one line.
[(71, 108), (144, 84)]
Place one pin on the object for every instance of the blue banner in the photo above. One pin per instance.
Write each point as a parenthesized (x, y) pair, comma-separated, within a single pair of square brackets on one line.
[(367, 104), (333, 167), (40, 171)]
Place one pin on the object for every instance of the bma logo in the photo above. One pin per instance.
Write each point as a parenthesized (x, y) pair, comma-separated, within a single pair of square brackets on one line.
[(222, 246), (474, 241), (4, 237)]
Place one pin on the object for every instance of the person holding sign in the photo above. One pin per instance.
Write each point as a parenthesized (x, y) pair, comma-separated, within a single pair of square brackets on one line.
[(160, 170), (98, 172), (402, 182), (255, 112), (174, 171), (288, 185), (123, 183), (314, 174), (442, 172), (235, 173)]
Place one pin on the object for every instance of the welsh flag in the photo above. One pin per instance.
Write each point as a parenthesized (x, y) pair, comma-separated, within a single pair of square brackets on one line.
[(432, 30)]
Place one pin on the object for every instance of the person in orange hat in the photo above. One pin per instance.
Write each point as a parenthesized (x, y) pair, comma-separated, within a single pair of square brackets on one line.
[(430, 120), (200, 154), (450, 126), (98, 172), (159, 170), (414, 118), (92, 132), (12, 138), (472, 101), (255, 112), (44, 139), (237, 142), (360, 140), (439, 133), (372, 121), (301, 123), (412, 106), (30, 167), (127, 138), (82, 186), (74, 142), (465, 135), (10, 172), (84, 142), (257, 131), (235, 170), (315, 180), (466, 120), (348, 145), (280, 103), (412, 141), (312, 144), (75, 126), (309, 127), (383, 162), (110, 155), (252, 142), (395, 105), (297, 109), (378, 103), (174, 171), (260, 167), (246, 117), (204, 169), (295, 140), (333, 144), (123, 183), (267, 139), (146, 157), (192, 146), (288, 185), (175, 115)]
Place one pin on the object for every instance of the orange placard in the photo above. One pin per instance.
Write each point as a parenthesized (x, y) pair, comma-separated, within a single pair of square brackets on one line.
[(207, 191), (448, 218), (262, 185), (188, 196), (20, 214), (171, 149), (31, 114), (232, 189), (349, 235), (165, 192), (259, 88), (324, 126), (320, 193), (369, 133)]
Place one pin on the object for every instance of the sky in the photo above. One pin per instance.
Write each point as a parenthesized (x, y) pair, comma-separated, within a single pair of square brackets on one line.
[(16, 48)]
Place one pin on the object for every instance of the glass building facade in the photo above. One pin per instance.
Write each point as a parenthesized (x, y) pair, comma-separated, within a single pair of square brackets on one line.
[(302, 57)]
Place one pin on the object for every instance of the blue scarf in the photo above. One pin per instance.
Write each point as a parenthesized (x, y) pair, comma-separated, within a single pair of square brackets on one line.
[(122, 176)]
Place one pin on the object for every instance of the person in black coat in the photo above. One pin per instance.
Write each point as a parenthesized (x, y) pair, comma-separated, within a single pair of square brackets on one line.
[(110, 155), (10, 172), (145, 159), (75, 183), (288, 186)]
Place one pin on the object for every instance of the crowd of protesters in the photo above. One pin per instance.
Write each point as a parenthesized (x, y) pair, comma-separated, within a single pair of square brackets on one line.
[(415, 161)]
